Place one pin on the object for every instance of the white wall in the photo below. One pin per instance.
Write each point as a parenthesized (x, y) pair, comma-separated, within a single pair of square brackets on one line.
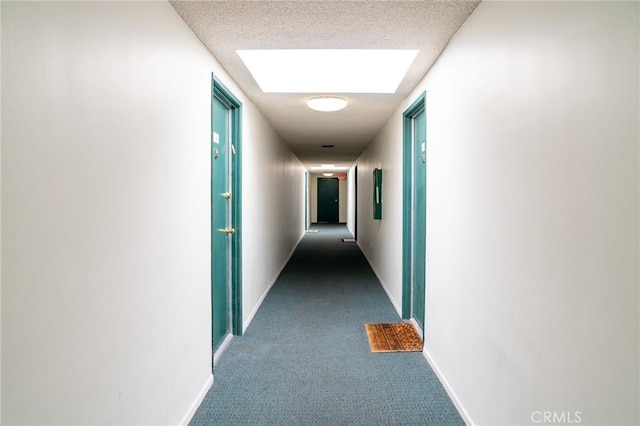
[(313, 197), (532, 212), (106, 213), (351, 200), (273, 210), (343, 193), (381, 240)]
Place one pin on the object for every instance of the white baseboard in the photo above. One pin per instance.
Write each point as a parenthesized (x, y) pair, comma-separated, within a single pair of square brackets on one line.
[(194, 407), (454, 398), (417, 326), (384, 286), (223, 346), (273, 281)]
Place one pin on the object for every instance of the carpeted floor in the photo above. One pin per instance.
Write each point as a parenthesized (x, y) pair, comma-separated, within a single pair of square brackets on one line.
[(305, 358)]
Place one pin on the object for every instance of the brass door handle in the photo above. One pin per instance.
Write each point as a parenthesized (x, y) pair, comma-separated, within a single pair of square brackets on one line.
[(226, 195), (227, 230)]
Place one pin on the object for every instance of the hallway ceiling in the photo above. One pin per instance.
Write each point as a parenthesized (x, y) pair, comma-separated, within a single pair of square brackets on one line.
[(227, 26)]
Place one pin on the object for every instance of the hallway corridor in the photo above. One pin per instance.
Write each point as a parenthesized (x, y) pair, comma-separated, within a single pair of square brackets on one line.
[(305, 358)]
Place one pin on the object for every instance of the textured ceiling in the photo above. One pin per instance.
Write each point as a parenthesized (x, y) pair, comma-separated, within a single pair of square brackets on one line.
[(226, 26)]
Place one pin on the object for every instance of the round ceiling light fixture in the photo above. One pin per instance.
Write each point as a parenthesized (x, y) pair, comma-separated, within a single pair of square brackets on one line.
[(327, 103)]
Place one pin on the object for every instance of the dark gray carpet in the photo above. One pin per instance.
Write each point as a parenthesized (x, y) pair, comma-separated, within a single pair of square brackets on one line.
[(305, 358)]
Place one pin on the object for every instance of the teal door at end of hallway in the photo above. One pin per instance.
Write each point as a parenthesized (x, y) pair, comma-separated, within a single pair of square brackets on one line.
[(328, 207), (220, 221)]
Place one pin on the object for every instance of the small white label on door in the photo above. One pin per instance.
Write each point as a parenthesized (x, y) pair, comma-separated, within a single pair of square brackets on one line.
[(424, 146), (216, 138)]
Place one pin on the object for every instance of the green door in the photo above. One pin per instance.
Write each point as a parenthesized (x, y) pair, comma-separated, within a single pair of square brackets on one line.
[(220, 223), (328, 211), (419, 215), (414, 210)]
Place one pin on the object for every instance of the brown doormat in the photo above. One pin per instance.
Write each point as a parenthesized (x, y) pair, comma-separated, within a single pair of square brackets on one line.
[(396, 337)]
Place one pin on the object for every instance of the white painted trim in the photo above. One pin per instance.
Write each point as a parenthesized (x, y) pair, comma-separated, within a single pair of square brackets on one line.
[(196, 403), (413, 322), (447, 387), (221, 348), (273, 281), (382, 283)]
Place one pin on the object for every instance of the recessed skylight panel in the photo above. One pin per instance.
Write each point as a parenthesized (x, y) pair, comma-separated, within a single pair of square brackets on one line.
[(328, 71)]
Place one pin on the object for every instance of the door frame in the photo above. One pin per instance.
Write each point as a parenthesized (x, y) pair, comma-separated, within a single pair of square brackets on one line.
[(418, 106), (220, 92)]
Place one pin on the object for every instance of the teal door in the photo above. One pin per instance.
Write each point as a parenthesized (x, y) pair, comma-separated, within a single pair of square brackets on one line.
[(220, 223), (328, 208), (419, 216), (414, 210)]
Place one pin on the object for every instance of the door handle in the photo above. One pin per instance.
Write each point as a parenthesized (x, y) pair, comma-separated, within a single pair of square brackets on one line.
[(227, 231)]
